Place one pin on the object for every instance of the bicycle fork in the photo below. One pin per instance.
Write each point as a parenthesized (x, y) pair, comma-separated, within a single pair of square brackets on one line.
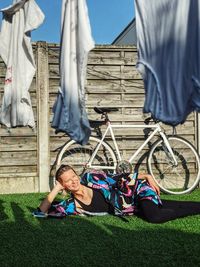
[(168, 150)]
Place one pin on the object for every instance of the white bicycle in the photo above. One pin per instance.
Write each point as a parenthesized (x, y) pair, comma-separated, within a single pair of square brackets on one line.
[(172, 161)]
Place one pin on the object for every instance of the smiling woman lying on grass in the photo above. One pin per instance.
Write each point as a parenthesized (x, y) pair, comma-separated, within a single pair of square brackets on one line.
[(97, 194)]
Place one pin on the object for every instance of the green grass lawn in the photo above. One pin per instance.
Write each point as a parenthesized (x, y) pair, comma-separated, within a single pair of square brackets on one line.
[(93, 241)]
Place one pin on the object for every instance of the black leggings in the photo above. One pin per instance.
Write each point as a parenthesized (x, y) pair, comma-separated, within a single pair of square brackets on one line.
[(170, 210)]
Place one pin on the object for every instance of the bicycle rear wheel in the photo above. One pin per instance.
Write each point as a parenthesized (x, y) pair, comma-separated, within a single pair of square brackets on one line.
[(172, 179), (78, 156)]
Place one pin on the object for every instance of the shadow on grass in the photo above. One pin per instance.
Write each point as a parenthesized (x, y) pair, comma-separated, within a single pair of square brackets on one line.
[(3, 215), (78, 241)]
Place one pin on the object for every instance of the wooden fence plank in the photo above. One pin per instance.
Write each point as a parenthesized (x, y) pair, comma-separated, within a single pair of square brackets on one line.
[(18, 144)]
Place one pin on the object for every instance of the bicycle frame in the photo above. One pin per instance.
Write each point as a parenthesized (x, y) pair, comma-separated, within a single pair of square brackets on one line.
[(156, 129)]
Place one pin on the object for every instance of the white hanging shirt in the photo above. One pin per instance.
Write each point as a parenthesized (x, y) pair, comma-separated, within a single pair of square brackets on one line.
[(16, 50), (76, 41)]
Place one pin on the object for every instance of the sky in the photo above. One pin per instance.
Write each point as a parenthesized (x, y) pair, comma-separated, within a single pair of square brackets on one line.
[(108, 18)]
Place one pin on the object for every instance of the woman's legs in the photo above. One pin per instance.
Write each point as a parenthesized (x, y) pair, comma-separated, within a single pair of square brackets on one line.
[(169, 211)]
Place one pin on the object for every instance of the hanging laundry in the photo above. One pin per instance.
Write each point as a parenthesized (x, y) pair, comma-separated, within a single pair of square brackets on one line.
[(19, 20), (76, 41), (168, 35)]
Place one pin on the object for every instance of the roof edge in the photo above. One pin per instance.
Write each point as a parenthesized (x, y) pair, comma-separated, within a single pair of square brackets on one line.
[(125, 29)]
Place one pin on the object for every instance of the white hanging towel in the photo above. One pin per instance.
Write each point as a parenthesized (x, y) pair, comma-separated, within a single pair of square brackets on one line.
[(19, 20), (76, 41)]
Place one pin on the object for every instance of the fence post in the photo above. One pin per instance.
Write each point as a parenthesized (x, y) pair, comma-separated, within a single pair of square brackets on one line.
[(42, 89)]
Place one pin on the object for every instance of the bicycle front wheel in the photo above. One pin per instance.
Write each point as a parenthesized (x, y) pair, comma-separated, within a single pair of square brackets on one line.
[(174, 179), (78, 156)]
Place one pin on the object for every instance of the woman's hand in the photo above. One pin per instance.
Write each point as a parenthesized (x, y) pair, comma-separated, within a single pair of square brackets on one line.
[(150, 181), (60, 189), (59, 186)]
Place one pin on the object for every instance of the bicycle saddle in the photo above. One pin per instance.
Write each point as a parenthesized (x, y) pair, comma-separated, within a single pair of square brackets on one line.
[(104, 110)]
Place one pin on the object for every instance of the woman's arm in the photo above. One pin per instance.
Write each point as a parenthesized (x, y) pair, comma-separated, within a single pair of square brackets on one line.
[(46, 203), (150, 181)]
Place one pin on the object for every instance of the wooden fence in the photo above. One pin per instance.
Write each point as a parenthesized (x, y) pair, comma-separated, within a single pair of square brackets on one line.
[(26, 155)]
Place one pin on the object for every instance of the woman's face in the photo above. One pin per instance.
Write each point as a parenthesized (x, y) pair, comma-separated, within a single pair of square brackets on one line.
[(70, 181)]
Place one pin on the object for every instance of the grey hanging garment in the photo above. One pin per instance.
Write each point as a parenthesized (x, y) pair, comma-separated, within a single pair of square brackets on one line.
[(76, 41), (168, 33), (16, 50)]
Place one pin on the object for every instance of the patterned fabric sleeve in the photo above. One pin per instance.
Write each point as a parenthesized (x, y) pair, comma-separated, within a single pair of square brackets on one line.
[(123, 194), (144, 191), (66, 207)]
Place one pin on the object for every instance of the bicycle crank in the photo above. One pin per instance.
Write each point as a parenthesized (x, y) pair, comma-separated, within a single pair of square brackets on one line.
[(124, 167)]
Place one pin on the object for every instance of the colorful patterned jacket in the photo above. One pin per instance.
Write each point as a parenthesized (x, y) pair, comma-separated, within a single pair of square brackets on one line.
[(122, 192)]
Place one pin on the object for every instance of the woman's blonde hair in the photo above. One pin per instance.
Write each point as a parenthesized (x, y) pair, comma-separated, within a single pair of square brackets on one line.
[(63, 168)]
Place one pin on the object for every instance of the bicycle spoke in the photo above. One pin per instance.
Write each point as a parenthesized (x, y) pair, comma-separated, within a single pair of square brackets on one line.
[(166, 170)]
